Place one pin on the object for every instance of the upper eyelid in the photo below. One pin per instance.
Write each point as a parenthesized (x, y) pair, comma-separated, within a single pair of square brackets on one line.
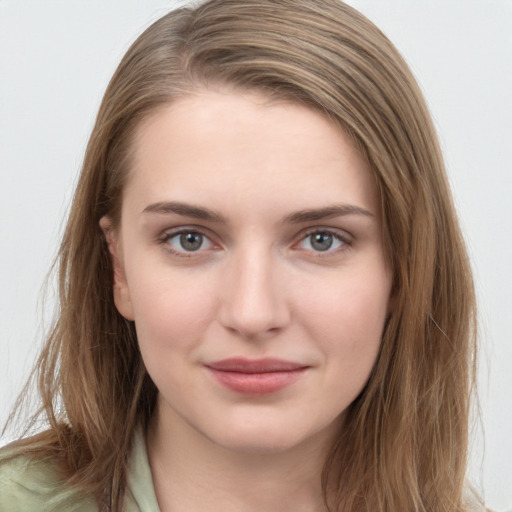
[(170, 232), (342, 234)]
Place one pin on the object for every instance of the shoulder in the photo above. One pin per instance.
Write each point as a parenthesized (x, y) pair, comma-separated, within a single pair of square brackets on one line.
[(35, 483)]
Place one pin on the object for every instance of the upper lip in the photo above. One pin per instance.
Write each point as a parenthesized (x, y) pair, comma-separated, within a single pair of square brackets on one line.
[(266, 365)]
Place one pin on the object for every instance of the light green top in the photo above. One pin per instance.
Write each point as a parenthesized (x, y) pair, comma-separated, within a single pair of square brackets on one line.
[(28, 486)]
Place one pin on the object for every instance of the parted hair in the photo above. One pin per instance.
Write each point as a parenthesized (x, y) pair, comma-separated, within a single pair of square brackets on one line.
[(403, 446)]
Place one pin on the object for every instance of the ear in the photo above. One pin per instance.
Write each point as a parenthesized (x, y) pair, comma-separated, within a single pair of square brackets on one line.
[(121, 290)]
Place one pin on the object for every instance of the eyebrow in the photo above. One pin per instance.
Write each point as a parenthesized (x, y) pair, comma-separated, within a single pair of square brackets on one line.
[(187, 210), (309, 215), (326, 213)]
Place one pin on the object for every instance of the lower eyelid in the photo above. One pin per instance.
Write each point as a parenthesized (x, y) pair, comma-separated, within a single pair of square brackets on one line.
[(166, 236)]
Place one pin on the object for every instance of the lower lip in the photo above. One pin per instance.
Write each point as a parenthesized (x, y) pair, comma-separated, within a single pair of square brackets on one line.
[(257, 384)]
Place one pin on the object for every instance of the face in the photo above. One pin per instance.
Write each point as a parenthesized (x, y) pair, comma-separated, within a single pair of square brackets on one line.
[(249, 256)]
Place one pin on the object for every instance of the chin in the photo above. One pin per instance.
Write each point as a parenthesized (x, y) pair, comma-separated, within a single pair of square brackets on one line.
[(258, 444), (267, 438)]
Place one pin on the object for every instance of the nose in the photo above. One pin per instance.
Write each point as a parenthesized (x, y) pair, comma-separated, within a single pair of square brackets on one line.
[(253, 299)]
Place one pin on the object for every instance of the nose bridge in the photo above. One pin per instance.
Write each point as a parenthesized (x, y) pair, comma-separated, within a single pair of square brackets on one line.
[(254, 301)]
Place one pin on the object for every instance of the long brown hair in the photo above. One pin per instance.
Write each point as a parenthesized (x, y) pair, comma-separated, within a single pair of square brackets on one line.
[(404, 444)]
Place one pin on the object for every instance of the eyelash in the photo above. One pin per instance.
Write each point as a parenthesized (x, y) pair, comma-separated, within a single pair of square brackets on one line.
[(167, 236), (343, 238)]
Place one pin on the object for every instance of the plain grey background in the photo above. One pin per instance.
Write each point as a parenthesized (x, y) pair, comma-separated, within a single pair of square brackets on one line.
[(56, 58)]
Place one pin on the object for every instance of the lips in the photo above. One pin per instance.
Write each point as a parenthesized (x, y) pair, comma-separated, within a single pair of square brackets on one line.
[(256, 377), (255, 365)]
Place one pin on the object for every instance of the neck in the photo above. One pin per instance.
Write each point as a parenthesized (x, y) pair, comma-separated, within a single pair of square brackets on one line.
[(192, 473)]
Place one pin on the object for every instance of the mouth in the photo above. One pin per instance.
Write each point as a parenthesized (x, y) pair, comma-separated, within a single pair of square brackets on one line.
[(256, 377)]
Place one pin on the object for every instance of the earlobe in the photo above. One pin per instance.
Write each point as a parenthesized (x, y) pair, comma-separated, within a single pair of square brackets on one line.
[(121, 289)]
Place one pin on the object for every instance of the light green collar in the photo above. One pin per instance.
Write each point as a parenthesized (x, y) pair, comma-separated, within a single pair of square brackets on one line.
[(140, 493)]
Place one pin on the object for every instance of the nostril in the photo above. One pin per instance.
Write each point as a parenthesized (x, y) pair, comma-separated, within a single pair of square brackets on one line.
[(252, 301), (252, 321)]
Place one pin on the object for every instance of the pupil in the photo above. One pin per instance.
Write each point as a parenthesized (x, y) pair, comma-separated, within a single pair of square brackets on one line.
[(191, 241), (321, 241)]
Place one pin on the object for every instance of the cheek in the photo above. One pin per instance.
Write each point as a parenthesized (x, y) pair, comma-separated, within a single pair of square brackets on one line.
[(347, 321), (171, 317), (171, 310)]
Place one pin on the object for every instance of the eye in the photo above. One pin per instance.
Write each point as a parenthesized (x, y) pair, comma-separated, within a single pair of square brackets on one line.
[(322, 241), (187, 241)]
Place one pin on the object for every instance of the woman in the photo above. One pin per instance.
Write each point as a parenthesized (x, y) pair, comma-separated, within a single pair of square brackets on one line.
[(266, 302)]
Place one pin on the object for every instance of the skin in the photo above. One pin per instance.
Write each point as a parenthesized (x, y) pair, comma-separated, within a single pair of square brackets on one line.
[(258, 286)]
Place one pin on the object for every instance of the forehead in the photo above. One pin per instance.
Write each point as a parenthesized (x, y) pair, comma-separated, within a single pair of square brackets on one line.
[(214, 146)]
